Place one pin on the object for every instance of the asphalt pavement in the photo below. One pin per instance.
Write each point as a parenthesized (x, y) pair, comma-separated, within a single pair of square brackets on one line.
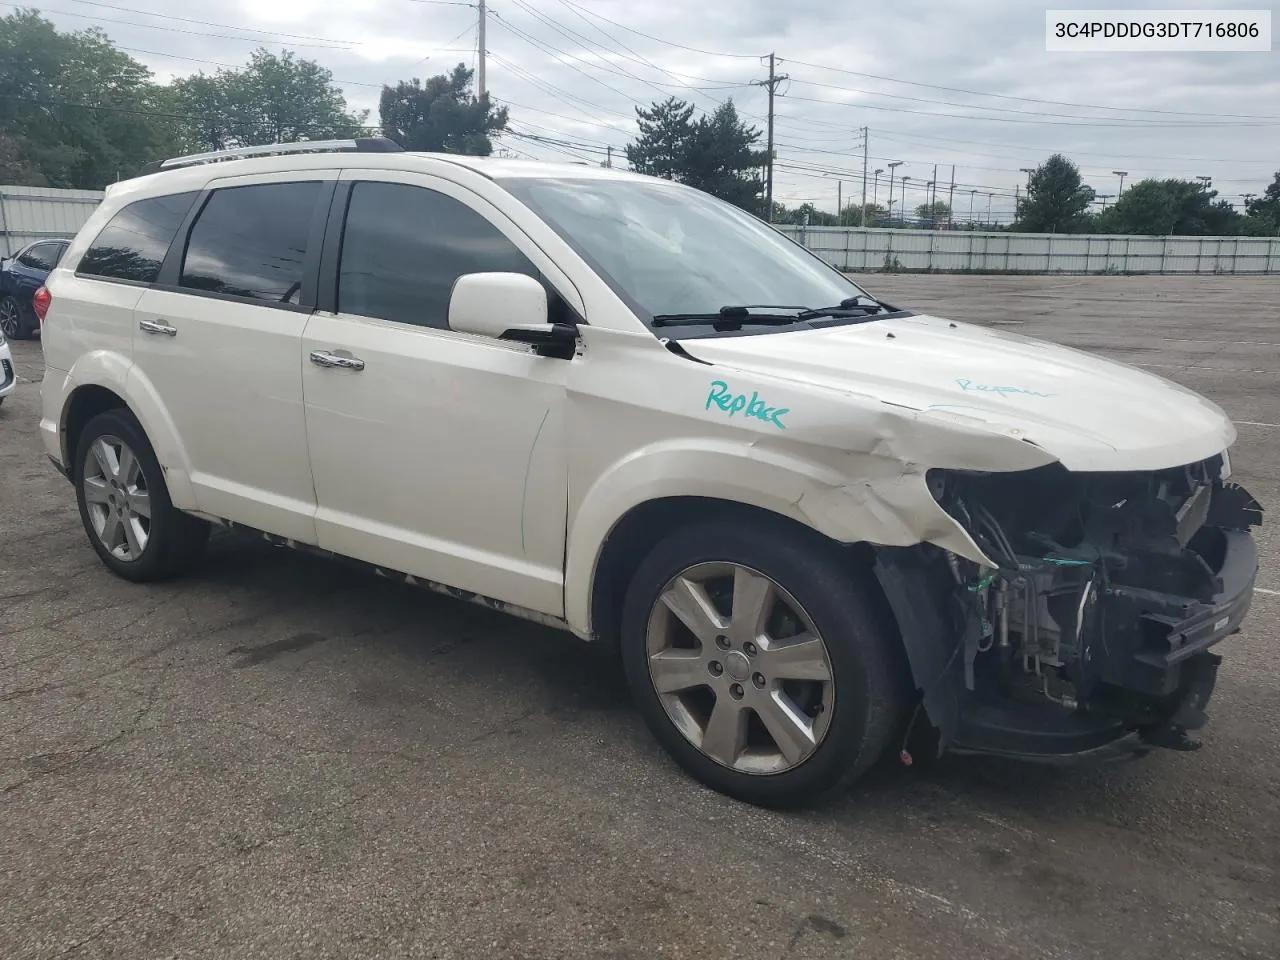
[(278, 757)]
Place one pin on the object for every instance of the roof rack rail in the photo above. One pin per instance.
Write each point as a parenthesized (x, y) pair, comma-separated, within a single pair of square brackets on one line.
[(356, 145)]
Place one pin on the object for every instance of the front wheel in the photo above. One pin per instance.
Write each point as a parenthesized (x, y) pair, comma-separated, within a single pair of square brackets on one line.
[(125, 506), (760, 660)]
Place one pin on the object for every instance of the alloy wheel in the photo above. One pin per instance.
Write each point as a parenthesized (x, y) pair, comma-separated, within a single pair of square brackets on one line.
[(116, 494), (10, 320), (740, 668)]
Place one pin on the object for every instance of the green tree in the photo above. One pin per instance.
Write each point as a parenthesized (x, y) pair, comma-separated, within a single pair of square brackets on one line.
[(442, 115), (274, 99), (935, 212), (715, 153), (722, 159), (74, 111), (1264, 211), (1057, 201), (663, 146), (855, 215), (1164, 207)]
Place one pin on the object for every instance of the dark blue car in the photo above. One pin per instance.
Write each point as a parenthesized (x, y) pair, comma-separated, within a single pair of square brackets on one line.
[(20, 277)]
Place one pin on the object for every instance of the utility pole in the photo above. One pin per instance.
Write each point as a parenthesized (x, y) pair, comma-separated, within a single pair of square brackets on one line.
[(902, 208), (480, 51), (933, 200), (951, 196), (875, 186), (989, 196), (863, 213), (772, 85), (972, 194), (608, 155), (1121, 174), (840, 201)]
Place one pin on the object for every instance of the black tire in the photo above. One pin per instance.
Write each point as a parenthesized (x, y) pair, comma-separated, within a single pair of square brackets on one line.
[(11, 323), (863, 650), (175, 539)]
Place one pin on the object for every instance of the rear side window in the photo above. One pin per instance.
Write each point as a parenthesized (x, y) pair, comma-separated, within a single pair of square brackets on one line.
[(404, 246), (40, 256), (252, 241), (134, 242)]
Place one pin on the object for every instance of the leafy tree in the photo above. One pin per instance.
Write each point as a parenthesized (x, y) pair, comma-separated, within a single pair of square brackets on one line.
[(1163, 207), (1057, 200), (74, 111), (721, 158), (663, 146), (442, 115), (855, 215), (715, 153), (937, 211), (275, 99), (1264, 211)]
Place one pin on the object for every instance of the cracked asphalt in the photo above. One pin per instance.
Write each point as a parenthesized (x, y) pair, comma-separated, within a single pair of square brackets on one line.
[(278, 757)]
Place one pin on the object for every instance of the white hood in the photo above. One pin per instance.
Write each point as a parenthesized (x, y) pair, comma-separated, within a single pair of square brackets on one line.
[(1089, 413)]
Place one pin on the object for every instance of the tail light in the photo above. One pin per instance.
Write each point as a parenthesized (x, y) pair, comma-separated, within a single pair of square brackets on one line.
[(40, 303)]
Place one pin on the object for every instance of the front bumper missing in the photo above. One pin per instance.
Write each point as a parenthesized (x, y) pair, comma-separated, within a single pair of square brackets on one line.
[(1172, 670)]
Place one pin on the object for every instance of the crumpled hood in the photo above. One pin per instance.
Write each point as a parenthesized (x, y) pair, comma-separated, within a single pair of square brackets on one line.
[(1089, 413)]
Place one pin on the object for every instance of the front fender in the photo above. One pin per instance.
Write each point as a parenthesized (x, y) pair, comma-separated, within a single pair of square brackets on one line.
[(889, 505), (117, 373)]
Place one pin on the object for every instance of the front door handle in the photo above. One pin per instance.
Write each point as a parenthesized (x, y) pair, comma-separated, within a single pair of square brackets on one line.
[(158, 326), (322, 358)]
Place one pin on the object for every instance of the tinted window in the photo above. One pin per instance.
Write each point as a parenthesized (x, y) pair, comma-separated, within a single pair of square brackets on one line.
[(403, 248), (134, 242), (252, 241), (40, 256)]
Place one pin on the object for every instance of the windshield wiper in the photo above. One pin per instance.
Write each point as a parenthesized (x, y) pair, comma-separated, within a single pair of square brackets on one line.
[(852, 307), (731, 316)]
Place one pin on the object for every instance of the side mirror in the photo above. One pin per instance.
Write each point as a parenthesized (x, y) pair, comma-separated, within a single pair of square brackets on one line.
[(508, 306)]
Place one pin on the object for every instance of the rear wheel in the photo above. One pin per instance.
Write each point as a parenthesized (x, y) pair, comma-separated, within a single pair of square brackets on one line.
[(11, 319), (125, 506), (760, 661)]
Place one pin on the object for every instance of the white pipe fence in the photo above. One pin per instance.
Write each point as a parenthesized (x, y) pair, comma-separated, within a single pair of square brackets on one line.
[(35, 213), (956, 251), (28, 214)]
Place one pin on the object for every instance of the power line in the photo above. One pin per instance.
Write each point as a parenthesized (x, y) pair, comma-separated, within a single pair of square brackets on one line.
[(1005, 96), (1078, 122), (649, 36), (207, 23), (194, 33)]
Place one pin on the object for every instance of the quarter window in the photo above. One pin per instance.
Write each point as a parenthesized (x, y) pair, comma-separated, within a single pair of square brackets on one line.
[(252, 241), (404, 246), (134, 242)]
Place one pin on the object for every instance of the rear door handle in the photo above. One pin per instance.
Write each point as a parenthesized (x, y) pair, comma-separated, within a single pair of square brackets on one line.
[(158, 326), (322, 358)]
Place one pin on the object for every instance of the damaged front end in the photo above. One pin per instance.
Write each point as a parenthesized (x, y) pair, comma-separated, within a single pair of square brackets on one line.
[(1092, 634)]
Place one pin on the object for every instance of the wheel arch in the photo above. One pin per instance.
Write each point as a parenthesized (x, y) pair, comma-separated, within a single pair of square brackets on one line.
[(104, 381)]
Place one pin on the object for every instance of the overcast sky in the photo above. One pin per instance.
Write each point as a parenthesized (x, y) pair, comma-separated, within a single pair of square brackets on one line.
[(963, 82)]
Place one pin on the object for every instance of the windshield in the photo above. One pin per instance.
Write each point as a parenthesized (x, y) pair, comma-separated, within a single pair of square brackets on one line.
[(671, 250)]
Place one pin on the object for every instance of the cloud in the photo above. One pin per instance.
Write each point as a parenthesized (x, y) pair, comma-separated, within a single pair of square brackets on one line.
[(963, 83)]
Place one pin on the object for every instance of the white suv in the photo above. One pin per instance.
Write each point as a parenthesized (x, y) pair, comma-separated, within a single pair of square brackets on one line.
[(818, 528)]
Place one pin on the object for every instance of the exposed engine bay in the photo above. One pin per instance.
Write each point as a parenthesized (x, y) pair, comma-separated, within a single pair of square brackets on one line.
[(1096, 623)]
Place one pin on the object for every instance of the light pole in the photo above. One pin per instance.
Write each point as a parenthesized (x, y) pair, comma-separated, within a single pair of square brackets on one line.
[(972, 194), (902, 208), (875, 186), (928, 199), (893, 165), (989, 196), (1121, 174)]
